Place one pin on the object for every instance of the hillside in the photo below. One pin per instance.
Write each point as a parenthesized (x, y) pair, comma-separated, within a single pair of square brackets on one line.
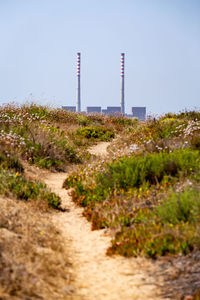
[(138, 185)]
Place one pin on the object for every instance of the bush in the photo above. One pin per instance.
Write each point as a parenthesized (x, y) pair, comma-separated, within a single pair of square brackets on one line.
[(185, 115), (82, 120), (128, 178), (152, 168), (8, 162), (24, 189), (28, 133), (123, 120), (49, 149), (109, 198), (182, 207), (133, 172), (171, 228), (96, 133)]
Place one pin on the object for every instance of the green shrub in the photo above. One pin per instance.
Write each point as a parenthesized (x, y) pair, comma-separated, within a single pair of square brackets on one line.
[(96, 133), (24, 189), (126, 121), (34, 109), (152, 241), (48, 163), (51, 151), (133, 172), (171, 228), (181, 207), (152, 168), (82, 120), (8, 162), (52, 199), (187, 115), (71, 155)]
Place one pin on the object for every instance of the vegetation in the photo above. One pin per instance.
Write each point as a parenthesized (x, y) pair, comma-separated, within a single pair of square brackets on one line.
[(28, 134), (53, 138), (32, 250), (149, 169), (96, 133), (12, 182), (171, 227), (146, 191), (155, 160)]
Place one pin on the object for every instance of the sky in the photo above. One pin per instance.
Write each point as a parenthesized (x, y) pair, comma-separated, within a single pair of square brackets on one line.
[(39, 40)]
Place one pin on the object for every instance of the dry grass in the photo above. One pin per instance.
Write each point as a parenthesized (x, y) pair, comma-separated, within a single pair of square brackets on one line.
[(33, 261)]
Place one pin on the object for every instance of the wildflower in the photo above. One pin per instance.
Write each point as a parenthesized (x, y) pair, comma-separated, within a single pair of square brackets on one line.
[(17, 174)]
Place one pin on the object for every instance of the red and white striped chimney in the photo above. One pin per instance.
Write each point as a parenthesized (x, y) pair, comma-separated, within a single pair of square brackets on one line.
[(122, 83), (78, 101)]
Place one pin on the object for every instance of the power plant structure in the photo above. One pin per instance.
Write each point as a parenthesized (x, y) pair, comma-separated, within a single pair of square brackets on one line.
[(78, 99), (139, 112), (122, 84), (69, 108), (93, 109)]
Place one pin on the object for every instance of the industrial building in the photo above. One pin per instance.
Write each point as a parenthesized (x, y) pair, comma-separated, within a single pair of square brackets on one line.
[(112, 110), (69, 108), (93, 109), (139, 112), (104, 111)]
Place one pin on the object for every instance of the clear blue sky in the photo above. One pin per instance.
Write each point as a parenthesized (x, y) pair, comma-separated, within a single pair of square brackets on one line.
[(39, 40)]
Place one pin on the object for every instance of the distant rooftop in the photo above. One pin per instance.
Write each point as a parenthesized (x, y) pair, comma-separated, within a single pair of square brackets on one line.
[(112, 110), (69, 108), (139, 112), (93, 109)]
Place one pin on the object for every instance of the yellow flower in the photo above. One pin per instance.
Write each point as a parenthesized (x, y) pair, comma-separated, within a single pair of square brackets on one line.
[(17, 174)]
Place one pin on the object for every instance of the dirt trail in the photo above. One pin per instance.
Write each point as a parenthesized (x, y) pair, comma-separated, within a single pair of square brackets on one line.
[(100, 149), (98, 276)]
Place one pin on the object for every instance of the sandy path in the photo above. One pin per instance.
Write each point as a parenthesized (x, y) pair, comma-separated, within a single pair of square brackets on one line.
[(98, 276), (100, 149)]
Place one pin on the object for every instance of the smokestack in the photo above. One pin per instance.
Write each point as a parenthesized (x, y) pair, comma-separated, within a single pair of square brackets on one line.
[(78, 100), (122, 84)]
